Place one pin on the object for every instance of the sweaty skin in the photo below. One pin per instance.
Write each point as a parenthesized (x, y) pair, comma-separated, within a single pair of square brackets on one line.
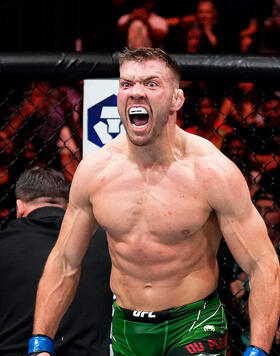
[(165, 198), (166, 237)]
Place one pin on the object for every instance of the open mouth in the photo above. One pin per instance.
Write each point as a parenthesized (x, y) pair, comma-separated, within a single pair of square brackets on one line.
[(138, 116)]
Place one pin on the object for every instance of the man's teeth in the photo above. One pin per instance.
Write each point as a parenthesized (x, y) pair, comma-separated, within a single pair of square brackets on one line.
[(137, 111)]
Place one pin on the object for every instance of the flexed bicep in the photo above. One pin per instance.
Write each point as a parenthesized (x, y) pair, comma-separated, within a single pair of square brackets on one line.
[(241, 225)]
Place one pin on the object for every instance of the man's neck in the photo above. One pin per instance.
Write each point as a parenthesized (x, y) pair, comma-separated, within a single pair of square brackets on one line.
[(25, 208), (162, 152)]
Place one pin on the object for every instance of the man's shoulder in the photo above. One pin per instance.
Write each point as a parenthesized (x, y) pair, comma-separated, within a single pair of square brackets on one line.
[(96, 163), (208, 160), (48, 216), (110, 150), (201, 148), (23, 230), (14, 225)]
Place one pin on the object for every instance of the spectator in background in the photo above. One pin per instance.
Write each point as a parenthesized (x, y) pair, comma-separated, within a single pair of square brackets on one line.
[(274, 18), (264, 136), (43, 121), (205, 26), (176, 38), (269, 208), (234, 147), (240, 25), (194, 37), (239, 120), (198, 32), (269, 182), (238, 109), (239, 92), (242, 116), (270, 30), (205, 122), (142, 27), (71, 134), (41, 200)]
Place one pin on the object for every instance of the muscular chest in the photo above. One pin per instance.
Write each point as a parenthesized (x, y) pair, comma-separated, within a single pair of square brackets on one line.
[(164, 205)]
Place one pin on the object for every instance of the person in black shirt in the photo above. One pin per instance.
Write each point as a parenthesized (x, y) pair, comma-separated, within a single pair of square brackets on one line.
[(41, 199)]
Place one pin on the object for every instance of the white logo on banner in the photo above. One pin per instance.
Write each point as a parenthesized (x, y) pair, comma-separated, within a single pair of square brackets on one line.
[(101, 118)]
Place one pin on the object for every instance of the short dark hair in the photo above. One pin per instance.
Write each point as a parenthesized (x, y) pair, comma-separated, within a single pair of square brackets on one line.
[(39, 182), (146, 53)]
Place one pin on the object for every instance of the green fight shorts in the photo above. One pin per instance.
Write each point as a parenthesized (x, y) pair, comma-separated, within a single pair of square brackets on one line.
[(199, 328)]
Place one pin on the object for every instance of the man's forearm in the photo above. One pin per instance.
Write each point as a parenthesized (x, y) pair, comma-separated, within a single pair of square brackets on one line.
[(264, 306), (56, 291)]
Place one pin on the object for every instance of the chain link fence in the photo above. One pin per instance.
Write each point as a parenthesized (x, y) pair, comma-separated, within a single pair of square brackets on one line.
[(242, 119), (41, 124)]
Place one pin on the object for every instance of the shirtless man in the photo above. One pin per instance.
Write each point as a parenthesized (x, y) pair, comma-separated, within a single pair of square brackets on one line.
[(165, 198)]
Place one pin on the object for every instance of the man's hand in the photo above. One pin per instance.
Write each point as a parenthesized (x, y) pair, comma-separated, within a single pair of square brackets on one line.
[(140, 14), (237, 288)]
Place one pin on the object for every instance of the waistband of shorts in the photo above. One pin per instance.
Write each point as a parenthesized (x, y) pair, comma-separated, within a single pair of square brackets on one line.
[(163, 315)]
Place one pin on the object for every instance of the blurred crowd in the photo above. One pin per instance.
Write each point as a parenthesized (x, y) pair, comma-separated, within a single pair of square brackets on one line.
[(41, 125), (193, 26)]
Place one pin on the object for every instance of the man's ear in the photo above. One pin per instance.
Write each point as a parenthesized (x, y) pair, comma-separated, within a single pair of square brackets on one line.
[(177, 101), (20, 208)]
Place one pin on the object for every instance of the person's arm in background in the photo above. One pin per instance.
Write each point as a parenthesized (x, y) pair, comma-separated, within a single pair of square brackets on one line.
[(126, 19), (69, 153), (246, 36), (237, 286), (158, 29), (212, 38), (250, 30), (246, 236), (61, 274)]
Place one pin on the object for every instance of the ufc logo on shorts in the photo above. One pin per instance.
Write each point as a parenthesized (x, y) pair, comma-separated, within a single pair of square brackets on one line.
[(139, 314)]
